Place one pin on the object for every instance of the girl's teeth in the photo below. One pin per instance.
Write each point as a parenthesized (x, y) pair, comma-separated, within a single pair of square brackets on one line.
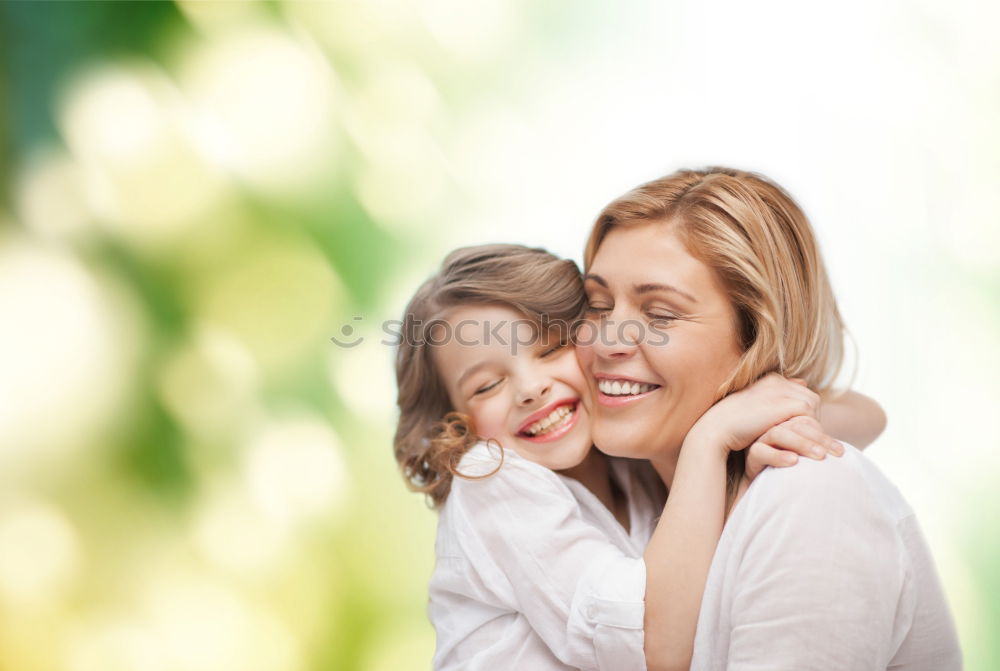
[(623, 388), (553, 420)]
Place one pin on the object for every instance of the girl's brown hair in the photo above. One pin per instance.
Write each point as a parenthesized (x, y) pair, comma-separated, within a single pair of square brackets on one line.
[(759, 242), (431, 437)]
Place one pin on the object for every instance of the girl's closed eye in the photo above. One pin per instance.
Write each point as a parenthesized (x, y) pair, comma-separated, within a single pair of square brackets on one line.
[(490, 386), (552, 350)]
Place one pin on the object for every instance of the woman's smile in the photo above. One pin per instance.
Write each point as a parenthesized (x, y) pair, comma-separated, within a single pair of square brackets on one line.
[(614, 390)]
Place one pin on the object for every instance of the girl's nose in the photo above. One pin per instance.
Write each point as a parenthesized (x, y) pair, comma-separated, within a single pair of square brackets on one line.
[(533, 390)]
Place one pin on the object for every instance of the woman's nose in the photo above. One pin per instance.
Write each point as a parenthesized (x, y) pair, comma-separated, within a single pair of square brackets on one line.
[(610, 338)]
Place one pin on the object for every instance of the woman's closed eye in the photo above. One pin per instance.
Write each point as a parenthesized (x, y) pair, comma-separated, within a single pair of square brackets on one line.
[(597, 306), (659, 314)]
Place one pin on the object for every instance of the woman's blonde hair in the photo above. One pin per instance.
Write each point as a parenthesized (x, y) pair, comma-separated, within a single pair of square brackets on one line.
[(430, 436), (760, 244)]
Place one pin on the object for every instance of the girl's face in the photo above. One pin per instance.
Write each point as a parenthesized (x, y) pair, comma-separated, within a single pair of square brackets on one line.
[(659, 340), (526, 396)]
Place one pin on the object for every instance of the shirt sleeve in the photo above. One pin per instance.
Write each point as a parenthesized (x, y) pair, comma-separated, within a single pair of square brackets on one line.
[(580, 593), (821, 576)]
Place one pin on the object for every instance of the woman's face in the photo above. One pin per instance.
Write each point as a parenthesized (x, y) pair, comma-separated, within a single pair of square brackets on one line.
[(659, 340), (527, 394)]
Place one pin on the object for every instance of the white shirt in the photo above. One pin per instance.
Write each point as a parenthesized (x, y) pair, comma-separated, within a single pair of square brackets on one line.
[(534, 572), (823, 566)]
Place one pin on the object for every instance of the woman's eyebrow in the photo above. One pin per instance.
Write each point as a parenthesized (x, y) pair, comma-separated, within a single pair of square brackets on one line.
[(645, 288), (650, 287)]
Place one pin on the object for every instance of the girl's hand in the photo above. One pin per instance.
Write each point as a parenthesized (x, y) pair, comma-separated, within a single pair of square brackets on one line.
[(781, 445), (742, 418)]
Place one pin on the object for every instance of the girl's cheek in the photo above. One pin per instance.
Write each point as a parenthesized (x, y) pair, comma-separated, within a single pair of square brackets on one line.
[(489, 420)]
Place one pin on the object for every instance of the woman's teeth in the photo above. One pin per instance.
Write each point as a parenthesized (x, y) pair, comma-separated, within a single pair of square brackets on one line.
[(623, 388), (555, 419)]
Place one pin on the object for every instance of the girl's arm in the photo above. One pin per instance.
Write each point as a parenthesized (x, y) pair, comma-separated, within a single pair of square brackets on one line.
[(851, 417), (680, 551), (848, 415)]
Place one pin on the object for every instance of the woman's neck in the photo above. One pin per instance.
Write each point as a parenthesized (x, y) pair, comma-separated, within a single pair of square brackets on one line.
[(594, 473), (665, 466)]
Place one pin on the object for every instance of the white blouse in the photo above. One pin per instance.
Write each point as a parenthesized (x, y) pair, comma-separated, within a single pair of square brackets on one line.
[(823, 566), (534, 572)]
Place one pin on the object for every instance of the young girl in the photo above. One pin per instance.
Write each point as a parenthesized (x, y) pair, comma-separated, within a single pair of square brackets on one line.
[(541, 549)]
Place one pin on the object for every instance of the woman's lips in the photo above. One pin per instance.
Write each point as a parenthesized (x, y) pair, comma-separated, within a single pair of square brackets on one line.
[(614, 400)]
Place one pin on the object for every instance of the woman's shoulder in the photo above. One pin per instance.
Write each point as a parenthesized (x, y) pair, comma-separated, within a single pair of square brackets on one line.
[(851, 481)]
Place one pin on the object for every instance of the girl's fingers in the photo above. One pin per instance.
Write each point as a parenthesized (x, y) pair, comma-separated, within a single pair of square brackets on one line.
[(760, 455), (811, 398), (799, 401), (785, 437), (813, 430)]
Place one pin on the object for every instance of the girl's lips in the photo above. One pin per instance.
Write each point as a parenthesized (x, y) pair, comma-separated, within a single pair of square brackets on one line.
[(545, 412), (558, 433)]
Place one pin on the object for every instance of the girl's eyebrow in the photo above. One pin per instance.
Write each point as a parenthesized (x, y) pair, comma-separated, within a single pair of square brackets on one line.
[(644, 288), (471, 370)]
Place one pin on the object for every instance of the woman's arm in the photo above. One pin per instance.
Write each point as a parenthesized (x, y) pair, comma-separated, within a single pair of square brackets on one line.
[(680, 551), (852, 417)]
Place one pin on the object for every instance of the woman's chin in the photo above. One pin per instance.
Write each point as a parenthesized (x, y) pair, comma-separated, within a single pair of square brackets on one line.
[(625, 442), (625, 439)]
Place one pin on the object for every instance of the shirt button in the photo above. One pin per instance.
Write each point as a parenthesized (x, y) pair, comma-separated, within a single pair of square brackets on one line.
[(591, 612)]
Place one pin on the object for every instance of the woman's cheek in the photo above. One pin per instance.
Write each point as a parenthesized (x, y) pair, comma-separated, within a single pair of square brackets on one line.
[(584, 352)]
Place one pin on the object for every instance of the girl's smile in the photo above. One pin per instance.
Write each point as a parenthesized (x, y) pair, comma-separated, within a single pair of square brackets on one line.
[(529, 397), (552, 422)]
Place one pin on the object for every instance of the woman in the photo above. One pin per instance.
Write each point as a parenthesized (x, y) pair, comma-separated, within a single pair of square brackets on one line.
[(725, 264)]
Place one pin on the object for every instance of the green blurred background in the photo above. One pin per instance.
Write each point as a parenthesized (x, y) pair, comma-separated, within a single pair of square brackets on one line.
[(198, 196)]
